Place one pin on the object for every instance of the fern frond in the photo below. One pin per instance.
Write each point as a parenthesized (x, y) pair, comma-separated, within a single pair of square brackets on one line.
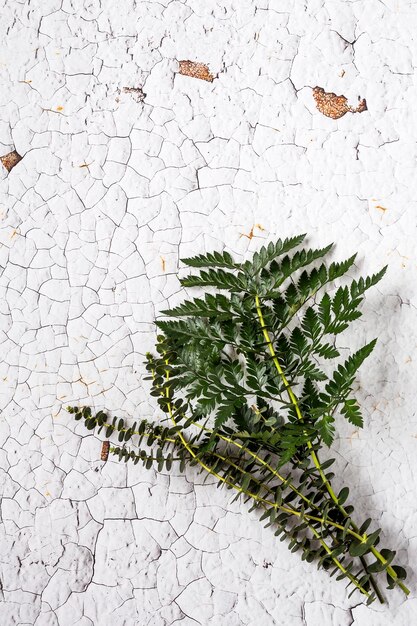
[(237, 380), (218, 278), (340, 385), (269, 253), (212, 259), (359, 287)]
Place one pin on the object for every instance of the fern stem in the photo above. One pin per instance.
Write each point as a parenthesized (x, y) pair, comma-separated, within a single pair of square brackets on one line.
[(313, 454), (257, 498), (372, 580), (266, 503), (354, 533), (259, 460), (291, 395), (188, 447), (262, 501), (339, 565), (113, 449)]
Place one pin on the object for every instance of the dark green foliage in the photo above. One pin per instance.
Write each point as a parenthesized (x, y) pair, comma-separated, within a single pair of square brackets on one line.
[(240, 380)]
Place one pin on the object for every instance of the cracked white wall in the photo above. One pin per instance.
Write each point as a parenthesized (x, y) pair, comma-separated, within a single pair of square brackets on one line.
[(111, 192)]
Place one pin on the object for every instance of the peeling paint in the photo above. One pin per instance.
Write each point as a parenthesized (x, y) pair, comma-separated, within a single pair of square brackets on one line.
[(105, 451), (137, 93), (10, 160), (117, 183), (196, 70), (335, 106)]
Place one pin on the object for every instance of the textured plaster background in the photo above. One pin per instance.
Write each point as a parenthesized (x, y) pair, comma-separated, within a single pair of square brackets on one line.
[(111, 192)]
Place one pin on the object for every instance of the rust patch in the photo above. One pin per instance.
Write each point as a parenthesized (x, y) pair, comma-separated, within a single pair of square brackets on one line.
[(163, 264), (196, 70), (136, 92), (105, 450), (381, 208), (335, 106), (10, 160)]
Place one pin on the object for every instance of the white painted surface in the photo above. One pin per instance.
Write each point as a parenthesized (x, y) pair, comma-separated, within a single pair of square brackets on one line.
[(107, 188)]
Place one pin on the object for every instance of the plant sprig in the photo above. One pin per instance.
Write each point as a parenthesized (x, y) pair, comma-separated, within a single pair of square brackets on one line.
[(237, 373)]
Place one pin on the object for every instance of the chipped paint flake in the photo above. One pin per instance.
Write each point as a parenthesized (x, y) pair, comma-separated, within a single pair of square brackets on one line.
[(10, 160), (136, 92), (335, 106), (196, 70), (105, 449)]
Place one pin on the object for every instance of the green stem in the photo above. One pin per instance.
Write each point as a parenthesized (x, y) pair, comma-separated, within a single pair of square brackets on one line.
[(259, 460), (339, 565), (113, 449), (372, 580), (321, 520), (257, 498), (262, 501), (313, 454)]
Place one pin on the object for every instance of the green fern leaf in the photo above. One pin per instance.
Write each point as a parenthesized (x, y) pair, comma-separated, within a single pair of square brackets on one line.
[(218, 278), (351, 411), (212, 259), (269, 253), (344, 376), (359, 287), (311, 324), (336, 270), (326, 429)]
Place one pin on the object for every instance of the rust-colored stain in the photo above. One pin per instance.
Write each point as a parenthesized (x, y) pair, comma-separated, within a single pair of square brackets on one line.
[(163, 264), (10, 160), (381, 208), (60, 108), (335, 106), (136, 92), (196, 70), (105, 450), (87, 165), (342, 73), (251, 233)]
